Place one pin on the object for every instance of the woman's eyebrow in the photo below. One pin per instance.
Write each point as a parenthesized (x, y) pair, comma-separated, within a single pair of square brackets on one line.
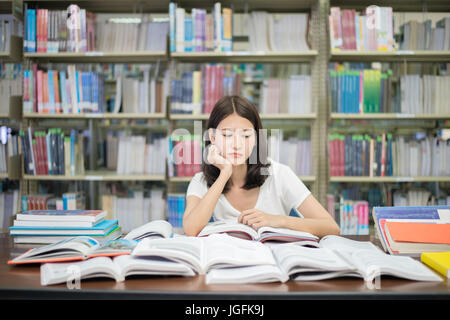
[(233, 129)]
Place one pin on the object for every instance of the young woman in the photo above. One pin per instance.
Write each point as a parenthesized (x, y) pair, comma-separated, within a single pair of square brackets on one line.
[(239, 181)]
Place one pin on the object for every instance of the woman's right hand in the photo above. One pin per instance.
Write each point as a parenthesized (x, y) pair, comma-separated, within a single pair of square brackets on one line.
[(216, 159)]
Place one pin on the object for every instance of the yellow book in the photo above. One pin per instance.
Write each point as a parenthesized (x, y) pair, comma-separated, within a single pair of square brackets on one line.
[(439, 261)]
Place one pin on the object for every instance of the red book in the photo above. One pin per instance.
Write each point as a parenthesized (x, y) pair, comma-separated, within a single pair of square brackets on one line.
[(44, 152), (44, 30), (348, 30)]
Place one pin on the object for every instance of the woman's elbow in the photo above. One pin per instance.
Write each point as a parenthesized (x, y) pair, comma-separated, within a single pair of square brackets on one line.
[(190, 229)]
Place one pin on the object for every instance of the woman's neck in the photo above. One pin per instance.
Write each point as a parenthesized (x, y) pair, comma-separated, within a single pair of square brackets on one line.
[(238, 175)]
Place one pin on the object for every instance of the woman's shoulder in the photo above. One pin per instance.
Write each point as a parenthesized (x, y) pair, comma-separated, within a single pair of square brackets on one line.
[(199, 177)]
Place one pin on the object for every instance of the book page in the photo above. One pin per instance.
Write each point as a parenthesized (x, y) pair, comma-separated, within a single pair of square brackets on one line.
[(224, 250), (232, 227), (343, 244), (183, 249), (53, 273), (288, 234), (294, 259), (371, 265), (248, 274), (77, 246), (130, 265), (156, 228)]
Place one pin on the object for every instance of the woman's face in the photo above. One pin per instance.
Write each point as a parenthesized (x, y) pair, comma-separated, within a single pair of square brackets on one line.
[(234, 137)]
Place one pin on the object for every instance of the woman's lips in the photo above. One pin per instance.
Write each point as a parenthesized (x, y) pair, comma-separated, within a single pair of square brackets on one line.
[(235, 155)]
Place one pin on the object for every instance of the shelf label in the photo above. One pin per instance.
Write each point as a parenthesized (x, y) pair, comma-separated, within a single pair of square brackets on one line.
[(406, 115), (93, 178), (404, 52), (93, 53), (405, 179)]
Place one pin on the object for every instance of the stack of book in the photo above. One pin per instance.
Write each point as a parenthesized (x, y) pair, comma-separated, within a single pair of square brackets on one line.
[(50, 226), (413, 230), (370, 30)]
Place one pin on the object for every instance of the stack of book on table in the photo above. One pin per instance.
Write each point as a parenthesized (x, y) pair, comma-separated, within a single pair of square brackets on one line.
[(413, 230), (50, 226), (223, 255)]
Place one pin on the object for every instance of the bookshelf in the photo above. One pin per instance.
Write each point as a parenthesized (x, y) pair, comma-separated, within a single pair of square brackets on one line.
[(391, 122), (319, 57)]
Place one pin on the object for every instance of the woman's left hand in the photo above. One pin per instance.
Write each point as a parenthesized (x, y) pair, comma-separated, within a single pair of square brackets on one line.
[(256, 219)]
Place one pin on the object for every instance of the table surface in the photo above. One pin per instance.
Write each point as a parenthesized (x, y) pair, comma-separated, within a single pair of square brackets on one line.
[(23, 282)]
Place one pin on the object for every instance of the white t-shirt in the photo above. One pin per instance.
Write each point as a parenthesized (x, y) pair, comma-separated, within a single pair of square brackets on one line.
[(280, 192)]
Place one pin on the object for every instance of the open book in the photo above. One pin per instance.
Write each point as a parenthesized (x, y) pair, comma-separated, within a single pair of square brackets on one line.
[(235, 229), (77, 248), (117, 268), (206, 253), (335, 257), (152, 229)]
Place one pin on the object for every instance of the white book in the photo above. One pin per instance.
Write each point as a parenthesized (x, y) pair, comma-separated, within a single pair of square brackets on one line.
[(204, 254), (117, 268), (179, 36)]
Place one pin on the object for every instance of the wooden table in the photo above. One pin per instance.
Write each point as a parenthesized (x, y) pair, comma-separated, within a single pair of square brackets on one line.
[(23, 282)]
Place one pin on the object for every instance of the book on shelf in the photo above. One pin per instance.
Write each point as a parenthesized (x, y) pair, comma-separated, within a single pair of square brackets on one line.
[(368, 30), (10, 25), (146, 205), (360, 91), (10, 86), (117, 268), (263, 234), (422, 35), (185, 155), (415, 214), (8, 207), (176, 204), (65, 90), (200, 31), (278, 32), (439, 261), (292, 95), (353, 217), (76, 248), (384, 154), (68, 201), (205, 253), (334, 258), (52, 152)]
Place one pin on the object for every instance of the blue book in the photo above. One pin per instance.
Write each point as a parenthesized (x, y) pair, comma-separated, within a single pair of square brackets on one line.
[(101, 228), (188, 34), (172, 24)]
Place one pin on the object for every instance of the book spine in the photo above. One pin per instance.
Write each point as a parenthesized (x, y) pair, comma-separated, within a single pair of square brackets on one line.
[(172, 26)]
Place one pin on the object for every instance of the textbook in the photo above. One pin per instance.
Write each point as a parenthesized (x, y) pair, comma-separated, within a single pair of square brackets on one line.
[(439, 261), (62, 215), (77, 248), (413, 238), (156, 228), (202, 254), (117, 268), (431, 214), (102, 228), (262, 235), (336, 257)]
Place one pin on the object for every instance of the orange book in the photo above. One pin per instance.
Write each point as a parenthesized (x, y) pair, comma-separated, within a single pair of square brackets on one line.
[(56, 90), (419, 232)]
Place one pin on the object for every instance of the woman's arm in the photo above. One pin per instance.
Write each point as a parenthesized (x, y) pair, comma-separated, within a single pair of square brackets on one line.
[(198, 211), (316, 219)]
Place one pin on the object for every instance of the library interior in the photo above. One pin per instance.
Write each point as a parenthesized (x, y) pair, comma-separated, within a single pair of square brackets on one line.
[(107, 111)]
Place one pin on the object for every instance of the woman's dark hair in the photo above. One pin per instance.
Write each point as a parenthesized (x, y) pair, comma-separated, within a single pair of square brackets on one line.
[(258, 158)]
